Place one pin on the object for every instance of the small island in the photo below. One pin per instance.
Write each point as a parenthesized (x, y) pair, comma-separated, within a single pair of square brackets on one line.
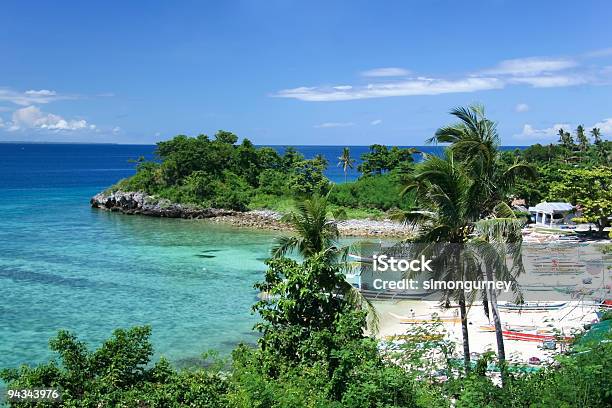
[(249, 186)]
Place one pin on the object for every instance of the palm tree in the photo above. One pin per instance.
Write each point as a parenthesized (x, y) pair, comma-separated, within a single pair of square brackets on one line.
[(463, 246), (596, 133), (448, 208), (566, 139), (475, 142), (346, 161), (314, 231), (583, 140), (497, 239)]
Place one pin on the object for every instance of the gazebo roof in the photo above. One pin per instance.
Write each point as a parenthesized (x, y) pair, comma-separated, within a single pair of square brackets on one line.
[(552, 207)]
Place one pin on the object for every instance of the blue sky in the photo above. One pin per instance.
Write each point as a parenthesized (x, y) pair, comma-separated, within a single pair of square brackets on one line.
[(309, 72)]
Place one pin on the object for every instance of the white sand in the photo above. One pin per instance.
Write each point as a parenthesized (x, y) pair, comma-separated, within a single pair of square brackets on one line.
[(568, 319)]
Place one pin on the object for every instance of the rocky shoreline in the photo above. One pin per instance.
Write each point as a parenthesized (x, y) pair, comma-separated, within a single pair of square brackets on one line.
[(138, 203)]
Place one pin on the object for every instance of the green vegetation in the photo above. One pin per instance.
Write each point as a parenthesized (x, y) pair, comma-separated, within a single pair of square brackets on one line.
[(313, 349), (346, 161), (315, 232), (576, 170), (380, 160), (461, 210), (220, 173), (370, 193), (591, 189), (312, 353)]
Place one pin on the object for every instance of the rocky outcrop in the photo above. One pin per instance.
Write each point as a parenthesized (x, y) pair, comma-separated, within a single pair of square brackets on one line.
[(259, 219), (373, 228), (130, 202), (140, 203)]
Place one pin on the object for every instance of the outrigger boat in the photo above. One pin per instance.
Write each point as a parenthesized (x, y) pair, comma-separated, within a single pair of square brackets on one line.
[(394, 294), (521, 336), (530, 306), (415, 320)]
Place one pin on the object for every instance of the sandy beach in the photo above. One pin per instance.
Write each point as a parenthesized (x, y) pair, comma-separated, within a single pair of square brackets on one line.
[(567, 320)]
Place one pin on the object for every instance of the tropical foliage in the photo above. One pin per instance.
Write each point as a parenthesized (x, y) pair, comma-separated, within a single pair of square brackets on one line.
[(312, 353), (590, 189), (346, 161), (463, 212), (314, 349), (221, 173), (380, 159)]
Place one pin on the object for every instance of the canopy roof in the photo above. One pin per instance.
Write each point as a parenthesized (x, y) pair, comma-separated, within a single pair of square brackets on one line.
[(552, 207)]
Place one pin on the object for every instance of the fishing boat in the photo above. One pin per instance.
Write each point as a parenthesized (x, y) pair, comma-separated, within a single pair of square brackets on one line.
[(416, 320), (520, 328), (522, 336), (530, 306), (393, 294), (542, 287)]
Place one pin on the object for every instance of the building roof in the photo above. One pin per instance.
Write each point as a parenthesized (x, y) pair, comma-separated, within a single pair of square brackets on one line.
[(552, 207)]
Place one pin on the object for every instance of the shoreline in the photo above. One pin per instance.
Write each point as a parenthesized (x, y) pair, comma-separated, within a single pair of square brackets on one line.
[(138, 203), (568, 320)]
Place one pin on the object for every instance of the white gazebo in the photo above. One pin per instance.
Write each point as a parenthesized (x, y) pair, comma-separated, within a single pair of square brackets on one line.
[(550, 214)]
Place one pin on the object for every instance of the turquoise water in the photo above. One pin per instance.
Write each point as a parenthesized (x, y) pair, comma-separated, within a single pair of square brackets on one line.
[(91, 271), (64, 265)]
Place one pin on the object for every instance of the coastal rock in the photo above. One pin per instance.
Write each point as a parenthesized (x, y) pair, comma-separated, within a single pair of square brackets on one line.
[(130, 202)]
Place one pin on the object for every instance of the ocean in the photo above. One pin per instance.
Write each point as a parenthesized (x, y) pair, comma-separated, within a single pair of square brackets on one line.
[(66, 266)]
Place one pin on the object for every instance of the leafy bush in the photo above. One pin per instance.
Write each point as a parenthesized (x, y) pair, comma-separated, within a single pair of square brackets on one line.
[(221, 173), (312, 353), (117, 374), (381, 192), (273, 182)]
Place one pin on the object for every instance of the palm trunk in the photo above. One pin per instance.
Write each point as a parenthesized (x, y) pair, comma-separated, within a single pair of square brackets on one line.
[(463, 311), (464, 332), (499, 334), (601, 224)]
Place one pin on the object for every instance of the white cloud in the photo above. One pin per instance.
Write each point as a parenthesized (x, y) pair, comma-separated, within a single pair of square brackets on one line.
[(31, 96), (530, 66), (537, 72), (550, 81), (551, 133), (116, 130), (417, 86), (42, 92), (521, 107), (530, 133), (32, 117), (604, 52), (386, 72), (334, 124), (605, 126), (376, 122)]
